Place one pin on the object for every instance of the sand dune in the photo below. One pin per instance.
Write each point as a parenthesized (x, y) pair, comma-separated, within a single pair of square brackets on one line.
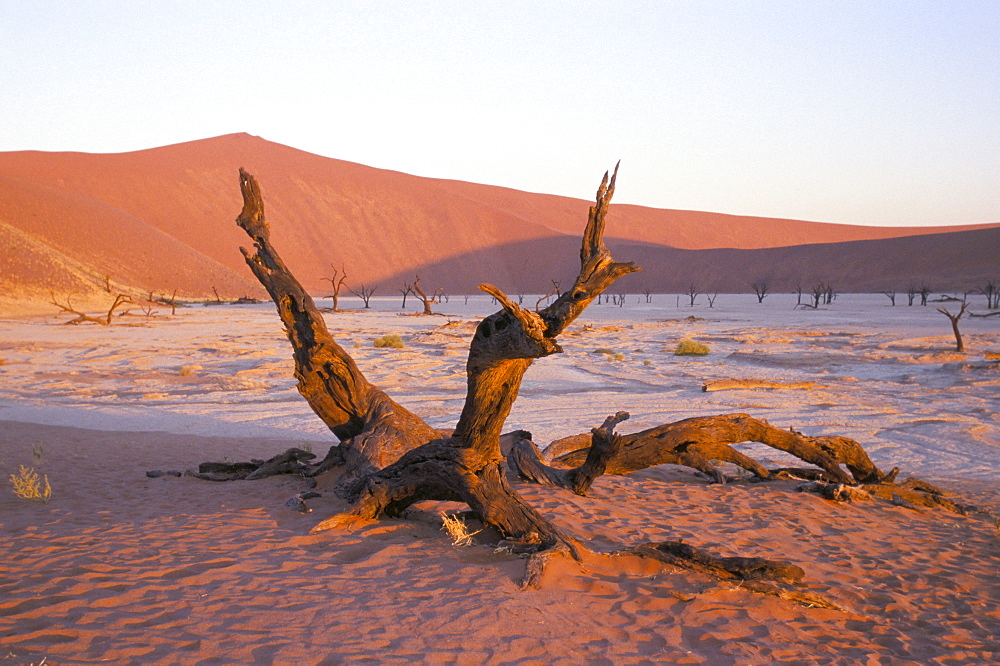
[(162, 219)]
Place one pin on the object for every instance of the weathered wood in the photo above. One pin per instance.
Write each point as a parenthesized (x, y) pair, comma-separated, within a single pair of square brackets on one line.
[(83, 318), (697, 441), (374, 429), (729, 384), (468, 465), (527, 462)]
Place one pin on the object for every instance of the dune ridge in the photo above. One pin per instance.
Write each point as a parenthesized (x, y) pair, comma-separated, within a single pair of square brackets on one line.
[(161, 219)]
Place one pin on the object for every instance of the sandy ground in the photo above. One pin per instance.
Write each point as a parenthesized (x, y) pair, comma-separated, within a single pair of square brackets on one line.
[(122, 568)]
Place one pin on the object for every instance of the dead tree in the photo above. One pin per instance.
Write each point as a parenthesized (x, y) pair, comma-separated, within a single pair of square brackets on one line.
[(692, 294), (911, 294), (711, 299), (992, 294), (696, 442), (428, 301), (336, 284), (891, 295), (408, 289), (760, 289), (547, 296), (81, 317), (393, 459), (365, 293), (925, 293), (172, 302), (959, 345), (817, 292)]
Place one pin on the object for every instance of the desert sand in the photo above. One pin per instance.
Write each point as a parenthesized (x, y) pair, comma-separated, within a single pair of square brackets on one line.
[(118, 567)]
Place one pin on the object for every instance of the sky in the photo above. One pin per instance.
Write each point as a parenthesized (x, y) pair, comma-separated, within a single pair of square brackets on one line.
[(873, 112)]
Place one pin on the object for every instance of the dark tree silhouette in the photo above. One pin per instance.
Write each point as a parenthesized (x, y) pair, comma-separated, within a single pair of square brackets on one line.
[(428, 301), (365, 293), (336, 284), (760, 289), (953, 318)]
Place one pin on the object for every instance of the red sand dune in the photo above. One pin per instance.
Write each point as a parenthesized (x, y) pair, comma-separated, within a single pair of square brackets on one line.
[(162, 219)]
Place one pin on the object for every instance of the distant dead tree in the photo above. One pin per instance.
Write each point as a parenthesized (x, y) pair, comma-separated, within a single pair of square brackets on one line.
[(798, 293), (891, 295), (992, 294), (911, 294), (424, 298), (711, 299), (555, 286), (647, 294), (364, 293), (107, 283), (81, 317), (215, 291), (692, 294), (406, 291), (817, 292), (830, 295), (547, 296), (172, 302), (959, 345), (760, 288), (336, 284), (925, 293)]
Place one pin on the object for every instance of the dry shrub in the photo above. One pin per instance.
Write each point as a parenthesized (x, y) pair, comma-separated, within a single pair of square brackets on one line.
[(689, 347), (457, 530), (28, 485), (393, 341)]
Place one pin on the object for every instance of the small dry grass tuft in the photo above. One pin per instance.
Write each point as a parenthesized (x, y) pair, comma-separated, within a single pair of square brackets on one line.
[(393, 341), (689, 347), (28, 485), (457, 530)]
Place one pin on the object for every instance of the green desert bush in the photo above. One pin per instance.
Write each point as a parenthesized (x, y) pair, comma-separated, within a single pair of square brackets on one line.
[(393, 341), (689, 347)]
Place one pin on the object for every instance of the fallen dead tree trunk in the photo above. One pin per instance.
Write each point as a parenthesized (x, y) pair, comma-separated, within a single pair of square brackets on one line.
[(729, 384), (697, 441)]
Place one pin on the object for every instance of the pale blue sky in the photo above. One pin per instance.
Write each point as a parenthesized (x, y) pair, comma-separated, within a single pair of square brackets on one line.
[(871, 112)]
